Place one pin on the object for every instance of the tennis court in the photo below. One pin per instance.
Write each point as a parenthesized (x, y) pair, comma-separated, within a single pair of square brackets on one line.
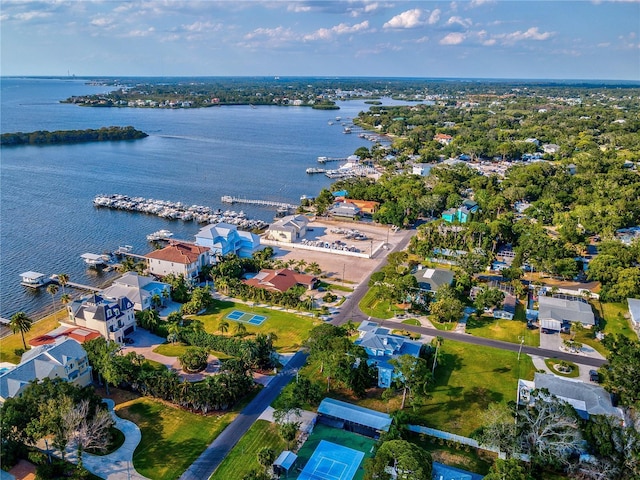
[(240, 316), (331, 461)]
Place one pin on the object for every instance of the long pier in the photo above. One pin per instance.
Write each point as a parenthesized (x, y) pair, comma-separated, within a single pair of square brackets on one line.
[(266, 203), (331, 159)]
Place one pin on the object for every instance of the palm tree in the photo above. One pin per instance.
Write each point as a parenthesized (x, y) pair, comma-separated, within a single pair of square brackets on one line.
[(52, 290), (65, 299), (63, 279), (156, 300), (223, 326), (174, 332), (240, 329), (20, 322)]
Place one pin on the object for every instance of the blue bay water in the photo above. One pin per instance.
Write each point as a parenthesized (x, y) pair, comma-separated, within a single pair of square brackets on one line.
[(47, 219)]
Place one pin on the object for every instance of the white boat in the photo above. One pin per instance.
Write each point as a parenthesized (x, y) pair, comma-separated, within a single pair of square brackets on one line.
[(159, 235), (346, 130), (330, 122)]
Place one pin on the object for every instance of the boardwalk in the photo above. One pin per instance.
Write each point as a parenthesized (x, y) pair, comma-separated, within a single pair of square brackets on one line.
[(266, 203)]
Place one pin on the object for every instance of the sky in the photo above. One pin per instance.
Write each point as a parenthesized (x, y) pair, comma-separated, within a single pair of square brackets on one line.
[(463, 39)]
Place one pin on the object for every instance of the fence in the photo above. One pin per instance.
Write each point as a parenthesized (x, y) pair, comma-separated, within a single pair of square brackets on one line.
[(301, 246)]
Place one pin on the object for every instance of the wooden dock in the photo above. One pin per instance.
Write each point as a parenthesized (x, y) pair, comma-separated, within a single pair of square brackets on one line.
[(79, 286), (332, 159), (265, 203)]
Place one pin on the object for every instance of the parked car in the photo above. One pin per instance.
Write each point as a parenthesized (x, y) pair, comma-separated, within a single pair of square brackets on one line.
[(593, 376)]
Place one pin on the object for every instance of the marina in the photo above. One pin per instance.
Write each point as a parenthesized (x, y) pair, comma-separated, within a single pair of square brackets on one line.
[(179, 211)]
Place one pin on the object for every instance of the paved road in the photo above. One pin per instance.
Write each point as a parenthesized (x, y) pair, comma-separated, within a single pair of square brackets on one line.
[(211, 458), (351, 311)]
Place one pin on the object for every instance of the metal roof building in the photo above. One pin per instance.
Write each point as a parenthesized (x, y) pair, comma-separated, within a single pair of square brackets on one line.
[(565, 310), (353, 418)]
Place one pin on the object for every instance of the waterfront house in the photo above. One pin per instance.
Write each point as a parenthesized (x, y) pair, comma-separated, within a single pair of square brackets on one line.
[(113, 318), (281, 280), (431, 279), (79, 334), (179, 258), (139, 289), (288, 229), (559, 312), (586, 398), (381, 346), (64, 359), (224, 238)]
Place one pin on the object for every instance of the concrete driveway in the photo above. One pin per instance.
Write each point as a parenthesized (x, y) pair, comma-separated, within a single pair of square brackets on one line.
[(550, 341)]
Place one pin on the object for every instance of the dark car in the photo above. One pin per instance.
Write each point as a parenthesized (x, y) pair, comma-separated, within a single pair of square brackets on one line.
[(127, 341), (593, 376)]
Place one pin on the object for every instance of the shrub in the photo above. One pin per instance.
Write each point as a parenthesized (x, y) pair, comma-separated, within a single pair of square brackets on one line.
[(194, 359)]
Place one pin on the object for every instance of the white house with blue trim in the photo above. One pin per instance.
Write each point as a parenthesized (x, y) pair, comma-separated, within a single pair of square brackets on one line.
[(381, 346), (224, 238)]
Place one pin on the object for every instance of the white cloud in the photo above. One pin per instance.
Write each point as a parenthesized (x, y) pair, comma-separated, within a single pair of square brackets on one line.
[(531, 34), (26, 16), (202, 27), (103, 22), (479, 3), (140, 33), (408, 19), (454, 38), (341, 29), (456, 20), (434, 17), (298, 8), (274, 33)]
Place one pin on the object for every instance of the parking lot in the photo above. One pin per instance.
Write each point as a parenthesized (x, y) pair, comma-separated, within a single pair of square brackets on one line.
[(363, 236)]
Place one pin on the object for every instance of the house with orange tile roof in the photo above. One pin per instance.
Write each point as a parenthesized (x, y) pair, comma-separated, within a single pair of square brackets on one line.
[(280, 280), (179, 258), (79, 334), (443, 138), (367, 207)]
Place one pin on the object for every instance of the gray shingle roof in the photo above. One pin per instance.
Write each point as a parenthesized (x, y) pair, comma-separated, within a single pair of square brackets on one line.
[(585, 397), (432, 279), (564, 309), (38, 363)]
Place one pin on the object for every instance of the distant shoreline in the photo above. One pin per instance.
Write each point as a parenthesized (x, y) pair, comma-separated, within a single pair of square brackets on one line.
[(61, 137)]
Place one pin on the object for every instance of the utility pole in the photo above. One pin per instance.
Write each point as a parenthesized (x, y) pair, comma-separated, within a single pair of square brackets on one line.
[(343, 268), (520, 349)]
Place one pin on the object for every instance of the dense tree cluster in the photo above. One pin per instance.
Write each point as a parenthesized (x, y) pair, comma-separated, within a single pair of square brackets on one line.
[(339, 360), (43, 137)]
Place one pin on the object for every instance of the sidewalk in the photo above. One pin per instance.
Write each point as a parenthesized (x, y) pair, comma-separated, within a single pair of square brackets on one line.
[(117, 465)]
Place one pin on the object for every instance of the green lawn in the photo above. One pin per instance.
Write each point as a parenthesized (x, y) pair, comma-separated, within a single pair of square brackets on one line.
[(372, 306), (469, 379), (412, 321), (177, 349), (551, 362), (171, 438), (615, 322), (443, 326), (14, 341), (501, 329), (292, 330), (243, 458)]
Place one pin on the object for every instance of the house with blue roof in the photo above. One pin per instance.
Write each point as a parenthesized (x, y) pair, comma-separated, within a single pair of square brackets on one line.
[(65, 359), (224, 238), (382, 346), (140, 289)]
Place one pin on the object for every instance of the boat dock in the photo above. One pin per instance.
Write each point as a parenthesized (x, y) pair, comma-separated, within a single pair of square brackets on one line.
[(332, 159), (265, 203), (81, 286)]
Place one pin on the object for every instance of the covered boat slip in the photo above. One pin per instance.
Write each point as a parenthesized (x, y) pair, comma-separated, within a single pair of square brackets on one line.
[(353, 418), (34, 279)]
